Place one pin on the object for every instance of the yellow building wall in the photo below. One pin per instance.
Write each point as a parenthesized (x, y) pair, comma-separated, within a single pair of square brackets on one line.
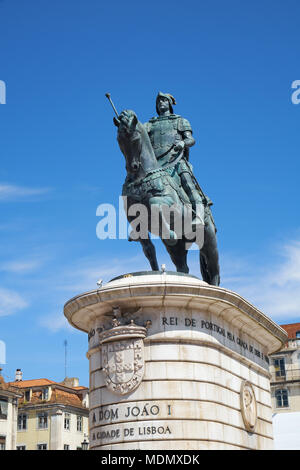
[(32, 435)]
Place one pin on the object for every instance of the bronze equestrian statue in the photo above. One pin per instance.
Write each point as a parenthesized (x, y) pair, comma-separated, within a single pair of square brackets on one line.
[(160, 176)]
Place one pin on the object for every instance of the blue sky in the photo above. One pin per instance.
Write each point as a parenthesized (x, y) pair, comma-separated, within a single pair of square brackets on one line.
[(230, 66)]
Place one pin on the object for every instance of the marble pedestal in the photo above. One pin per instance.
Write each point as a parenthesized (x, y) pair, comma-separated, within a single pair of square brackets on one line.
[(176, 364)]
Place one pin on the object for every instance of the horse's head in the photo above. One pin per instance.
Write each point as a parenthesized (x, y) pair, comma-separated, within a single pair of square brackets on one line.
[(127, 122), (135, 145)]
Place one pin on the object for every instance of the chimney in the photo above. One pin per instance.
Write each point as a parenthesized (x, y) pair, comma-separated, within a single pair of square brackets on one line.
[(19, 375), (71, 382)]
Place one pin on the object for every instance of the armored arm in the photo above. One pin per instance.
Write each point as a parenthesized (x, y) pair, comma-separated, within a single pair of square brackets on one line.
[(188, 139), (185, 130)]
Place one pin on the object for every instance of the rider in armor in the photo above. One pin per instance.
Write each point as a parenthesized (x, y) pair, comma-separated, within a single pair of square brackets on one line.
[(171, 138)]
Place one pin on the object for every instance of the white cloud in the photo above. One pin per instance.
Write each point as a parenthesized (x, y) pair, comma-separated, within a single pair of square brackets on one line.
[(10, 302), (10, 192), (55, 322), (84, 274), (80, 277), (20, 267), (273, 286), (289, 272)]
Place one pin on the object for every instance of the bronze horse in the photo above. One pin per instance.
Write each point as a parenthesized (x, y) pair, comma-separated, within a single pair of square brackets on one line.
[(157, 187)]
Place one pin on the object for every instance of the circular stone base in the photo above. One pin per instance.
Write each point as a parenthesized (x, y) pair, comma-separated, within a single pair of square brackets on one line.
[(176, 364)]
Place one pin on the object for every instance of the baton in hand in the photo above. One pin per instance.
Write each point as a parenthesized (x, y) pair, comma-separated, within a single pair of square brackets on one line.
[(116, 120)]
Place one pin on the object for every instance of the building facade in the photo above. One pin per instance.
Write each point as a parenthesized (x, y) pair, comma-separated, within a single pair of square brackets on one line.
[(8, 415), (285, 371), (285, 390), (52, 415)]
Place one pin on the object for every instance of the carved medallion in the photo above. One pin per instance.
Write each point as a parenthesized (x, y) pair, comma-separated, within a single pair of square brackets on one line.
[(122, 351), (248, 406)]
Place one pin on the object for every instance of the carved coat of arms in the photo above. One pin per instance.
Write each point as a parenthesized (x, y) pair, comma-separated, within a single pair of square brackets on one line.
[(122, 351)]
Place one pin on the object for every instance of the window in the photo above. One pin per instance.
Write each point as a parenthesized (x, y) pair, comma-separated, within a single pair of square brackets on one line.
[(27, 395), (21, 447), (22, 422), (42, 447), (42, 420), (79, 423), (3, 407), (67, 421), (45, 394), (2, 442), (66, 447), (298, 334), (279, 367), (281, 398)]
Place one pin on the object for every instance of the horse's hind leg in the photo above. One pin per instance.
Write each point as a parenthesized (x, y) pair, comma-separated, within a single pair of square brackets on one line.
[(209, 257)]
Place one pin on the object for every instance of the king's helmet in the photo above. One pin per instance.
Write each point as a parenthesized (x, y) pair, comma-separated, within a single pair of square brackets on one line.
[(170, 98)]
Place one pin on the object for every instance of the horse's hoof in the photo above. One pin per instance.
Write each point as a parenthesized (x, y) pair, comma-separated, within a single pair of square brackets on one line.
[(215, 280)]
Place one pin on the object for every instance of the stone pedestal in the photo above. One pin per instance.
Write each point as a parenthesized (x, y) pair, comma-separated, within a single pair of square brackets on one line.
[(176, 364)]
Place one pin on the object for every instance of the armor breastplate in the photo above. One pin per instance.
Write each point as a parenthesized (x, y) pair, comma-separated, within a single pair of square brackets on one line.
[(163, 134)]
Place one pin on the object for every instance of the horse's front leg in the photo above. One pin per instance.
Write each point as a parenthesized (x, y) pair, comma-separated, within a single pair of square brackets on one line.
[(178, 255), (147, 246), (150, 253)]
